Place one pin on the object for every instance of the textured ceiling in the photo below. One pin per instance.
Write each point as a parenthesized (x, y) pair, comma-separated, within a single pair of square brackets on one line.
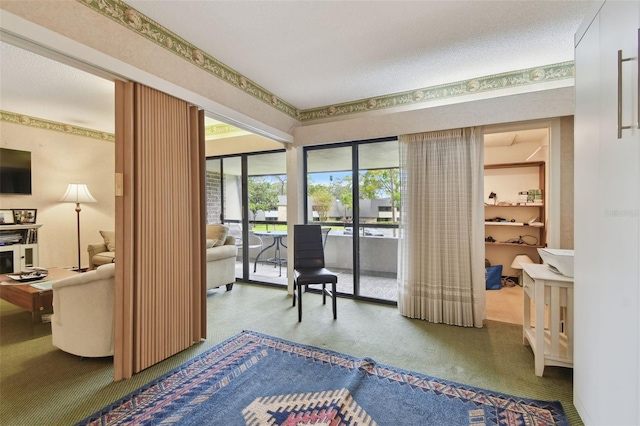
[(41, 87), (317, 53)]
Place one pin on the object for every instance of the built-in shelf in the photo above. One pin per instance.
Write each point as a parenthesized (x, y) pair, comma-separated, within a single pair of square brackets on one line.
[(515, 205), (17, 227), (528, 218), (512, 244), (511, 224)]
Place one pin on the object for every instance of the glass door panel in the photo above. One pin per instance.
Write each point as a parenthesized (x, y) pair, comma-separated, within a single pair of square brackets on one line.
[(330, 204), (379, 212), (267, 204), (232, 201)]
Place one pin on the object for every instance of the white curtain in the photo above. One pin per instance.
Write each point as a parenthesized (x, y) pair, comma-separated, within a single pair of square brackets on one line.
[(441, 250)]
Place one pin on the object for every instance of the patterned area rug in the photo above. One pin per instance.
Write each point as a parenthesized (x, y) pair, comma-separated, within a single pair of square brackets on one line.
[(254, 379)]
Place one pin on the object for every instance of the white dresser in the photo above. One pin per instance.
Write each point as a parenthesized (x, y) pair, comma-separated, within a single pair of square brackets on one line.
[(548, 316)]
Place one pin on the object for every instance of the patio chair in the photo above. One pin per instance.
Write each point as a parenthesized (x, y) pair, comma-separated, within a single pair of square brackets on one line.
[(308, 266), (235, 229), (325, 236)]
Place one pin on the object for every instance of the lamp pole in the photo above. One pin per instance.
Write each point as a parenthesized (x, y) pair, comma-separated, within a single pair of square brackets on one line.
[(78, 193), (78, 226)]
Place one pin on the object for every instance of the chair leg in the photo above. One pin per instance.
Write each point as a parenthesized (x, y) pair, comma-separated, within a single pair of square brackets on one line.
[(333, 301), (299, 305), (324, 294), (295, 292)]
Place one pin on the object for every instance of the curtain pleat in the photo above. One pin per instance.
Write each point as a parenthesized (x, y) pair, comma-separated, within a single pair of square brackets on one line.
[(441, 273)]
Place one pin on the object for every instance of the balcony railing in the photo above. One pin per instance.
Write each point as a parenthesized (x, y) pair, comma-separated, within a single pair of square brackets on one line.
[(378, 259)]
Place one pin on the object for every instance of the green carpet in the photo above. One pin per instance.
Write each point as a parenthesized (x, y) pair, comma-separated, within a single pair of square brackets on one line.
[(40, 384)]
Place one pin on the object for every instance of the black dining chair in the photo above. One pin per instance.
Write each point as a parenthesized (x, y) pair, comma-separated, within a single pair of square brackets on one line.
[(308, 266)]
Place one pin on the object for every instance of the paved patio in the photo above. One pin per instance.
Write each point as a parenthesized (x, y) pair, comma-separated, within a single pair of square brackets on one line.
[(504, 305), (376, 287)]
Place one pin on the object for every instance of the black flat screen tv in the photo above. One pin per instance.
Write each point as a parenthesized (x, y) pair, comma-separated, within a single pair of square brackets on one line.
[(15, 171)]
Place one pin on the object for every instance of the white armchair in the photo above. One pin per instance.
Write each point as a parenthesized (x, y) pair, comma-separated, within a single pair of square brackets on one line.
[(220, 257), (83, 312)]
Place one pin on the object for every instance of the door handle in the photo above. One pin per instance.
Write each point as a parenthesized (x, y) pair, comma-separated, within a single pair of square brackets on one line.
[(620, 126)]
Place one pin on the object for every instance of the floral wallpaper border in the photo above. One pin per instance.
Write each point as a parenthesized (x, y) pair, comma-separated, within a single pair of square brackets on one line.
[(220, 129), (39, 123), (129, 17), (508, 80), (120, 12)]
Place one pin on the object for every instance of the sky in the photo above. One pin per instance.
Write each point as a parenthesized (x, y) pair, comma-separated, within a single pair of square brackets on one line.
[(325, 177)]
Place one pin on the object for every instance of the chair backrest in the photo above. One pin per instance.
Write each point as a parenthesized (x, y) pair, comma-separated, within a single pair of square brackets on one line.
[(235, 229), (308, 249), (254, 241), (325, 236)]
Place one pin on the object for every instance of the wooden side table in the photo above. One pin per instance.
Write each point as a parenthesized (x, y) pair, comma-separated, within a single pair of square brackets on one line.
[(34, 300), (551, 336)]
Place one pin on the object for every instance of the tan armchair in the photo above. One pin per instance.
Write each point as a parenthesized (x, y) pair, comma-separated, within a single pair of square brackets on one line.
[(99, 255), (83, 313), (103, 253)]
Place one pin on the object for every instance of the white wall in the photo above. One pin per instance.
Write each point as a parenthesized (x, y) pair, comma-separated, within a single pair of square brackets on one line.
[(58, 159)]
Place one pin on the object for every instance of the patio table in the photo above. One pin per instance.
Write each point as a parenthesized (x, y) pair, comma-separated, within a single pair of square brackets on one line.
[(277, 260)]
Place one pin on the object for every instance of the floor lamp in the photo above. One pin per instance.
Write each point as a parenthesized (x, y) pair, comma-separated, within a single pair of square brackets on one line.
[(78, 193)]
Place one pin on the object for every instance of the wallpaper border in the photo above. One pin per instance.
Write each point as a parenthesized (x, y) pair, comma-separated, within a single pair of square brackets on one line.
[(508, 80), (40, 123), (144, 26), (122, 13)]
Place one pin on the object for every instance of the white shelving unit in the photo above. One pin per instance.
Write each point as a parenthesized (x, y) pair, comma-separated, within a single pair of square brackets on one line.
[(551, 335), (22, 254)]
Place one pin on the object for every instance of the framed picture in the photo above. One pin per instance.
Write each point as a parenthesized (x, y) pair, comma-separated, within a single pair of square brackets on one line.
[(23, 216), (6, 217)]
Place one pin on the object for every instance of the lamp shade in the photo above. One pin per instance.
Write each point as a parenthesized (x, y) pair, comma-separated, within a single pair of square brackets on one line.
[(519, 260), (77, 193)]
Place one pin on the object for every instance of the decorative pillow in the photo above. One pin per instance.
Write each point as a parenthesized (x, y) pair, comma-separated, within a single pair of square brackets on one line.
[(210, 243), (109, 239), (218, 233)]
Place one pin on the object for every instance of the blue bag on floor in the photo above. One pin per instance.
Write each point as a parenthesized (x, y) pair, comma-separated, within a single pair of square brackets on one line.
[(493, 277)]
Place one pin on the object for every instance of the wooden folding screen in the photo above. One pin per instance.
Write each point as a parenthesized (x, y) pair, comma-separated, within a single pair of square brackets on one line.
[(160, 274)]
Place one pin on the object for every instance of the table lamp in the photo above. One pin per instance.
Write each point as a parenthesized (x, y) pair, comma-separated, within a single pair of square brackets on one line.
[(78, 193), (517, 264)]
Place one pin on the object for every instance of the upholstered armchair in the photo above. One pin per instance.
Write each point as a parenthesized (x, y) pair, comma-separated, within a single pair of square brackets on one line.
[(104, 252), (220, 257), (83, 312)]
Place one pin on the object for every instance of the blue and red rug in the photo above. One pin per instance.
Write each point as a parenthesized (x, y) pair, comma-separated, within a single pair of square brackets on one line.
[(254, 379)]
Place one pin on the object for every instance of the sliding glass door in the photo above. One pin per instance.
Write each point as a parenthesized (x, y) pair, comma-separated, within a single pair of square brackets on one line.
[(379, 201), (362, 242), (248, 194), (352, 192)]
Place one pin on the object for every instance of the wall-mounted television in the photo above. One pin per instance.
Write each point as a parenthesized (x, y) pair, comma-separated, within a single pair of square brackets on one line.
[(15, 171)]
